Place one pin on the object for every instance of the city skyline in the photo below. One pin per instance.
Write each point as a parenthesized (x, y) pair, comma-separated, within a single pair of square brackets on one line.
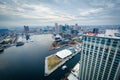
[(47, 12)]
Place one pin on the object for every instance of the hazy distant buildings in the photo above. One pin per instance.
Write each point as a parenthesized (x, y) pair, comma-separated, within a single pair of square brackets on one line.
[(3, 33), (57, 28), (76, 27), (26, 29), (95, 30), (74, 32), (67, 31), (100, 58)]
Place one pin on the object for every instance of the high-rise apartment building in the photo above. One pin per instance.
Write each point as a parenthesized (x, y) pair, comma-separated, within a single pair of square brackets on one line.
[(100, 58)]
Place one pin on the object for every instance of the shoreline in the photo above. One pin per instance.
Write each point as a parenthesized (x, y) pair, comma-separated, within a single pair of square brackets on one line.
[(56, 45)]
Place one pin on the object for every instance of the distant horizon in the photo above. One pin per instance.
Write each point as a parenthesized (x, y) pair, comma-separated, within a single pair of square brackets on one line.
[(63, 25), (8, 27)]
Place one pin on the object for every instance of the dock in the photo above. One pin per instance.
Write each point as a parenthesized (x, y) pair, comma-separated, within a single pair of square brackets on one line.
[(74, 75)]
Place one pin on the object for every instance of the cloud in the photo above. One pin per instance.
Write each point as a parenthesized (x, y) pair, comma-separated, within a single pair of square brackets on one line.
[(38, 8), (90, 11), (39, 12)]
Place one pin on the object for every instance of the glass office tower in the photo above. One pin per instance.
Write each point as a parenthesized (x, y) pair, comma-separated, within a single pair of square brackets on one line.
[(100, 58)]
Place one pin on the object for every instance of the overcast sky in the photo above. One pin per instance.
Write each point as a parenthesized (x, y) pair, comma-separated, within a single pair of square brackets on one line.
[(48, 12)]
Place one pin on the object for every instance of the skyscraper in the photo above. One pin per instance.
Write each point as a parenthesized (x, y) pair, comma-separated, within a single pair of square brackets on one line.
[(57, 28), (100, 58), (26, 29), (95, 30)]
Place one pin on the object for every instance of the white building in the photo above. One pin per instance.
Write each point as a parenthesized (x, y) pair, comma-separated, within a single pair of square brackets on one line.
[(64, 53), (58, 37), (110, 33), (100, 58)]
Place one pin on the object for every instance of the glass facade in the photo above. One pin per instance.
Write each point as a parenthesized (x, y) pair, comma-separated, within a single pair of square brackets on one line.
[(100, 58)]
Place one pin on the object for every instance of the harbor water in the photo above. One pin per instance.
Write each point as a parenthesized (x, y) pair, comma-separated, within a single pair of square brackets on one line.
[(27, 62)]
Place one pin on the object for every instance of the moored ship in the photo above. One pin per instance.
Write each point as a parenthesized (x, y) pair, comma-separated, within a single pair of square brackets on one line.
[(1, 48), (19, 43)]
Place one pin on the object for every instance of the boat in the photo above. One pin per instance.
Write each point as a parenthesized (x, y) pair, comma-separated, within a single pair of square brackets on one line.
[(64, 67), (19, 43), (1, 48)]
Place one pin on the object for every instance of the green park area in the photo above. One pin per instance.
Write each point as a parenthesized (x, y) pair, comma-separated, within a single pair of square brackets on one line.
[(53, 61)]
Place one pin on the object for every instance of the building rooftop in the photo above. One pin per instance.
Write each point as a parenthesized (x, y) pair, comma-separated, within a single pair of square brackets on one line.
[(109, 33), (103, 36), (64, 53)]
